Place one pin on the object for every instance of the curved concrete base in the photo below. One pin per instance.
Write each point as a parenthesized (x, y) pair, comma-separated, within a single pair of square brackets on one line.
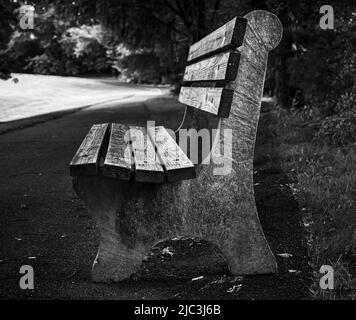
[(134, 217)]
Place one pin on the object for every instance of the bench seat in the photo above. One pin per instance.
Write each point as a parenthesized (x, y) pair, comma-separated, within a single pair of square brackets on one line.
[(131, 153)]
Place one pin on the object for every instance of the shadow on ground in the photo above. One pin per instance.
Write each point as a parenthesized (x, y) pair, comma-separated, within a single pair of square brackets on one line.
[(44, 224)]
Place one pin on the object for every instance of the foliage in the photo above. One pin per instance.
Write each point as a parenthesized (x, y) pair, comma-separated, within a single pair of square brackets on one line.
[(54, 47), (141, 67), (85, 45), (165, 27), (340, 128), (325, 72)]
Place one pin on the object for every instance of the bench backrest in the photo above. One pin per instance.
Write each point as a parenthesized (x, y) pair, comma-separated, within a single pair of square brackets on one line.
[(225, 77), (226, 60), (213, 60)]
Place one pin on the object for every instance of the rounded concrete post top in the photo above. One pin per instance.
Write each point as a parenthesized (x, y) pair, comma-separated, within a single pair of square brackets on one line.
[(266, 26)]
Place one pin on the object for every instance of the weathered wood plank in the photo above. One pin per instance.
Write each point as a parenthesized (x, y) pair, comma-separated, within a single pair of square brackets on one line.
[(174, 161), (87, 158), (228, 36), (213, 100), (223, 66), (147, 164), (118, 161)]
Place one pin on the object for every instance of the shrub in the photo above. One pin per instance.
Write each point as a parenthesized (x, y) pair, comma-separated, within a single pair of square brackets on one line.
[(141, 67), (340, 128)]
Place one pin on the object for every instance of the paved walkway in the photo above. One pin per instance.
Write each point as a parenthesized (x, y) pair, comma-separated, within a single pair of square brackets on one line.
[(35, 95)]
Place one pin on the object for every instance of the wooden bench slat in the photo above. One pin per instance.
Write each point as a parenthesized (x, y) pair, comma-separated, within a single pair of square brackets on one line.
[(87, 158), (118, 161), (228, 36), (223, 66), (213, 100), (175, 162), (147, 165)]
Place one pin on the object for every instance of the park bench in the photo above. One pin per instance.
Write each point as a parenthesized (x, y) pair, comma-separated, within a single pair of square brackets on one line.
[(143, 186)]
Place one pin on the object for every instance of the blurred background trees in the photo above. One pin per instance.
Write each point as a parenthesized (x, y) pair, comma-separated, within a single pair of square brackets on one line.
[(147, 42)]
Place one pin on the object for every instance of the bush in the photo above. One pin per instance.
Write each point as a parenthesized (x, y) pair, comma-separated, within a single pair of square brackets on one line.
[(85, 47), (141, 67), (56, 48), (340, 128), (329, 84)]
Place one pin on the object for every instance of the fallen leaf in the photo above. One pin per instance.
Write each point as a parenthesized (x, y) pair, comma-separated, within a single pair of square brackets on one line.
[(235, 288), (167, 251), (197, 278), (285, 255), (294, 271)]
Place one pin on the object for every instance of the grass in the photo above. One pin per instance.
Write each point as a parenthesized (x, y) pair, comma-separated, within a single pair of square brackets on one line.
[(325, 188)]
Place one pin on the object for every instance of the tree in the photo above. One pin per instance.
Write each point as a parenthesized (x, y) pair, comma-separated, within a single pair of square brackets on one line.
[(167, 27)]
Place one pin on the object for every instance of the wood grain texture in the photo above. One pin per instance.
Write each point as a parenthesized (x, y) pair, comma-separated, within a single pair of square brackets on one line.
[(147, 164), (228, 36), (223, 66), (219, 208), (216, 101), (174, 161), (86, 159), (119, 160)]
